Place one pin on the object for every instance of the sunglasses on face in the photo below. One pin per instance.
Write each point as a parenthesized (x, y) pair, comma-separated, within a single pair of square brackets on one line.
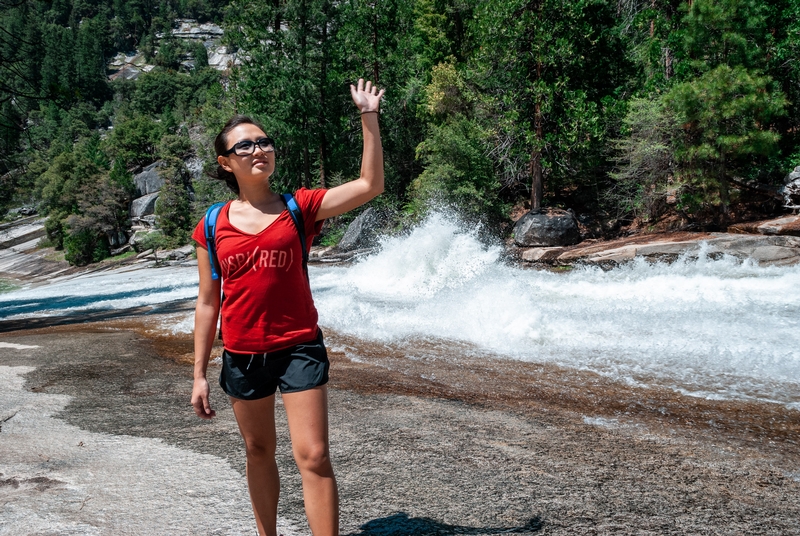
[(247, 147)]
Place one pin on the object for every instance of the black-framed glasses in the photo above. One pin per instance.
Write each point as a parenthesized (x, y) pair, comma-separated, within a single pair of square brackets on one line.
[(248, 147)]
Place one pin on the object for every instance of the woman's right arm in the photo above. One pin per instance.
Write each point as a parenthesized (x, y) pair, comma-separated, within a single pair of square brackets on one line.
[(206, 314)]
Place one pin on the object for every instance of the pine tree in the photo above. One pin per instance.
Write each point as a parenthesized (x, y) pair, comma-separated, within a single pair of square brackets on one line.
[(725, 102)]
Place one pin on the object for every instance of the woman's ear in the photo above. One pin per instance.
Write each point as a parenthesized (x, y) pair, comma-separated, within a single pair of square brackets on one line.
[(222, 161)]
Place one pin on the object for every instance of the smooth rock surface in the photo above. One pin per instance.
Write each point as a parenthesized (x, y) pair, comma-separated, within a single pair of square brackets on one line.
[(144, 206), (484, 448), (57, 478), (787, 225), (149, 180), (763, 249), (19, 232)]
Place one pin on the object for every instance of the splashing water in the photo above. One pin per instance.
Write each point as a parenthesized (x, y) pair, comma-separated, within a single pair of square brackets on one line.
[(714, 328)]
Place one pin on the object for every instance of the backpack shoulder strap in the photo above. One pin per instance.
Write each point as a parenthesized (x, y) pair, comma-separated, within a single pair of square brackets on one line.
[(297, 218), (210, 225)]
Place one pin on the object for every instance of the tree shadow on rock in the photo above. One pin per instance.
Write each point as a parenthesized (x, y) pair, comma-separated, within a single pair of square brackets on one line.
[(402, 525)]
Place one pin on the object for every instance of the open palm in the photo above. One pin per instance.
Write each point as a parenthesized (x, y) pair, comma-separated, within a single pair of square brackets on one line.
[(366, 97)]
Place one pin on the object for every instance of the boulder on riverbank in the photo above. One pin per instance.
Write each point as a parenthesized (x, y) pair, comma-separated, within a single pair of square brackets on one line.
[(547, 227), (363, 231)]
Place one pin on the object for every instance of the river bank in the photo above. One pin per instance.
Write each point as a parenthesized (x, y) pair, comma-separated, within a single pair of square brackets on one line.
[(420, 447)]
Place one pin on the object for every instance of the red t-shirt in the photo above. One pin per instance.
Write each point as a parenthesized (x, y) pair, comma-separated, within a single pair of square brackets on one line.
[(268, 304)]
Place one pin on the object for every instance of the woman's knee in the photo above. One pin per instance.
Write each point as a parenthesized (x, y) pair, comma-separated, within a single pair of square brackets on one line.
[(259, 449), (314, 458)]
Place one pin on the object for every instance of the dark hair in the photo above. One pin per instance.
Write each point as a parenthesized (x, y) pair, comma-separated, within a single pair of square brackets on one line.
[(221, 145)]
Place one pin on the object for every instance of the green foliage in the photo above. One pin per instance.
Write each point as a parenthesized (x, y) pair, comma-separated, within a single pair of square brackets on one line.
[(199, 55), (632, 103), (173, 208), (457, 169), (134, 140), (723, 32), (122, 178), (55, 227), (725, 103), (84, 245), (645, 172), (543, 70), (725, 113)]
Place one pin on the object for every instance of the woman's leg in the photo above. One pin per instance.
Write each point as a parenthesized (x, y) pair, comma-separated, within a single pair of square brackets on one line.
[(307, 412), (256, 419)]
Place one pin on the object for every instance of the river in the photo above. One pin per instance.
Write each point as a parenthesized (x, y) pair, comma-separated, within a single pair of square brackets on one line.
[(718, 329)]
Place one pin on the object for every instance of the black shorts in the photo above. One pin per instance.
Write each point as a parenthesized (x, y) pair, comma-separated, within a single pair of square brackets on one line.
[(254, 376)]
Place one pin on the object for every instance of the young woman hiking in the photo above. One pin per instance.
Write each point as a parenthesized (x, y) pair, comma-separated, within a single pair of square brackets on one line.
[(269, 323)]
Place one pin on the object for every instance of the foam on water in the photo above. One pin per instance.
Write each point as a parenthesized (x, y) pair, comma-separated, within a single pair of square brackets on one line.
[(712, 328)]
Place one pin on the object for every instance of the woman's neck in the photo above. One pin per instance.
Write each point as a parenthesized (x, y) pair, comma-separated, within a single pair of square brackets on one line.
[(260, 197)]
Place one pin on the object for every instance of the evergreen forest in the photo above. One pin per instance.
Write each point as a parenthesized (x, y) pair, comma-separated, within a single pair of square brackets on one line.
[(635, 114)]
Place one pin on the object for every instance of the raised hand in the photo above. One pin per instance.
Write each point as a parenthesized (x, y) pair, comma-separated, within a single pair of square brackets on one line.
[(366, 97)]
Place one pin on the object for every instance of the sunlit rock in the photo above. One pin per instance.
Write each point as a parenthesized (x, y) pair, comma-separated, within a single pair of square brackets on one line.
[(362, 232), (787, 225), (149, 180), (144, 205)]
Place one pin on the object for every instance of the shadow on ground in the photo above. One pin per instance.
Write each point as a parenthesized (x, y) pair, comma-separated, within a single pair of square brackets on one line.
[(402, 525)]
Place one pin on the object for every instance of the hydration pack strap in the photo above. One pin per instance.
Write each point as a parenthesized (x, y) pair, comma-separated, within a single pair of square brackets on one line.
[(210, 228), (297, 218)]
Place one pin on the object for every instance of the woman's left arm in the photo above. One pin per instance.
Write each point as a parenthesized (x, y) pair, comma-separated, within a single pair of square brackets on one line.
[(369, 184)]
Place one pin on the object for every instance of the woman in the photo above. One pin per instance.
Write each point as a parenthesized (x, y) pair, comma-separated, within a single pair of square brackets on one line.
[(269, 323)]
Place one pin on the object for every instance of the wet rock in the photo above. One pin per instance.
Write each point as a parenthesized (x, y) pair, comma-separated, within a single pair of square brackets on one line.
[(541, 254), (547, 227), (362, 232), (765, 250)]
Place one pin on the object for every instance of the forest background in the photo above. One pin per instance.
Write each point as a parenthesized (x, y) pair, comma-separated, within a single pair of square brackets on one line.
[(651, 114)]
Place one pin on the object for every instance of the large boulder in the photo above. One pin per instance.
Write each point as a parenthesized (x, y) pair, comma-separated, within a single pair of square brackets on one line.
[(362, 232), (547, 227), (143, 206), (791, 190), (149, 180)]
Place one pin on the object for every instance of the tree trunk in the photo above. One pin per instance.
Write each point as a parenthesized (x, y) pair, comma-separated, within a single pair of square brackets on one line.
[(724, 191), (537, 179)]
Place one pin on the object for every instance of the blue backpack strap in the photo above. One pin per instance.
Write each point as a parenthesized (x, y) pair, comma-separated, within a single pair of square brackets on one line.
[(297, 218), (210, 225)]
